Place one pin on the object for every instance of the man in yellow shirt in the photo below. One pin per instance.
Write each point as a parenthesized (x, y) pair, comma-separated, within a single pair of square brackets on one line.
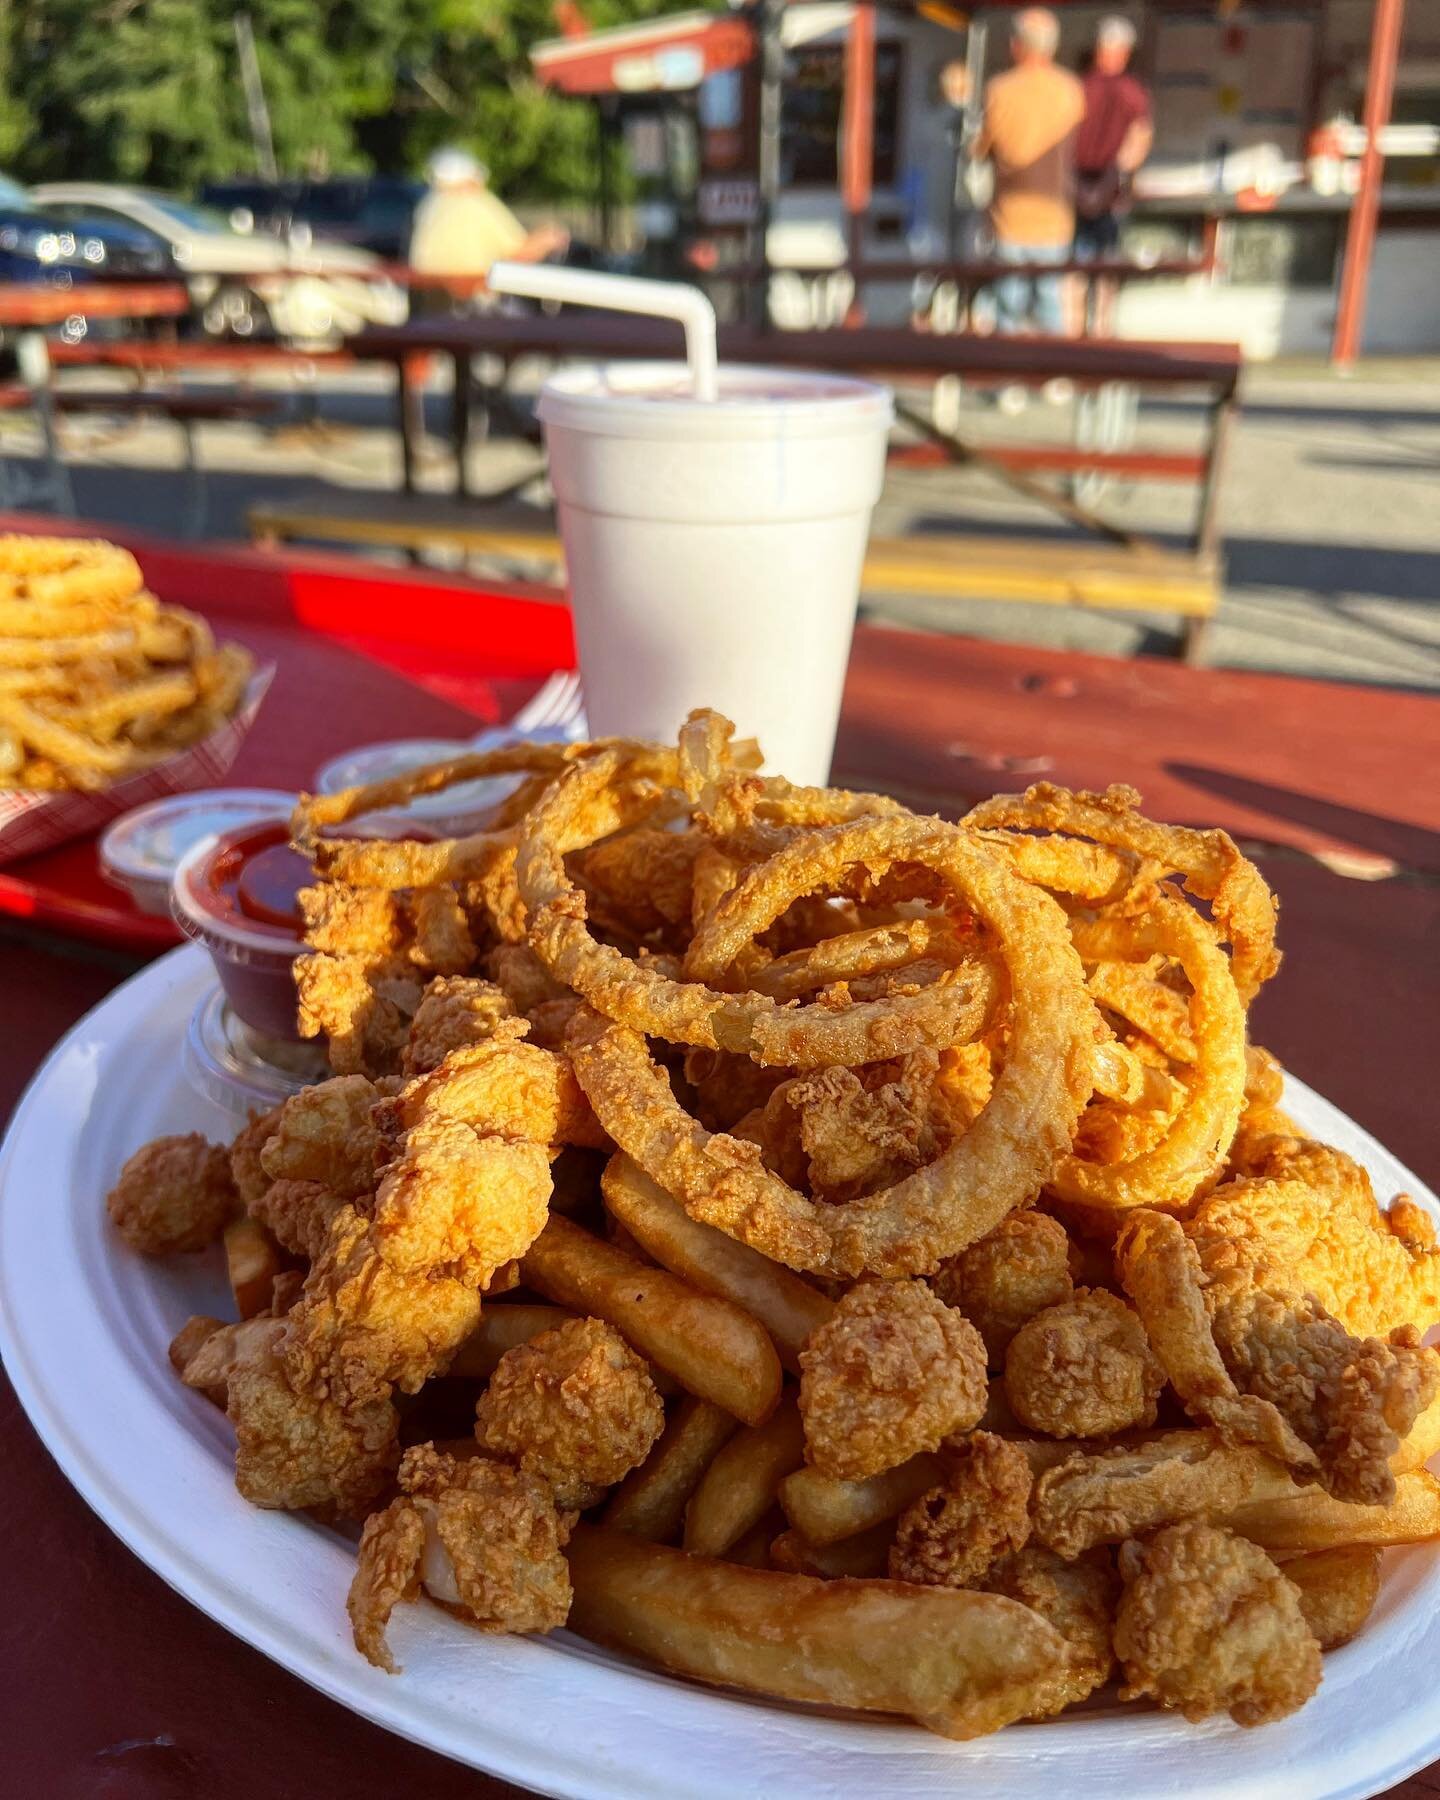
[(461, 228), (1032, 114)]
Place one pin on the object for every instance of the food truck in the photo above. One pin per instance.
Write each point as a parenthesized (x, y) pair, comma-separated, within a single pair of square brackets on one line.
[(788, 146)]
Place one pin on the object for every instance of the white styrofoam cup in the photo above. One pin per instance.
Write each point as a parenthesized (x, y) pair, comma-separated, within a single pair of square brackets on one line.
[(714, 547)]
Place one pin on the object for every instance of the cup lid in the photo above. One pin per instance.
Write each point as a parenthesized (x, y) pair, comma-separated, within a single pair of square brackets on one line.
[(149, 842), (655, 399)]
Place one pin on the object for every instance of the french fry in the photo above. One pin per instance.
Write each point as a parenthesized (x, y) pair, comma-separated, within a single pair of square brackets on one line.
[(502, 1328), (959, 1662), (1311, 1520), (864, 1557), (650, 1502), (1338, 1591), (739, 1487), (753, 1550), (825, 1509), (252, 1261), (787, 1306), (712, 1348)]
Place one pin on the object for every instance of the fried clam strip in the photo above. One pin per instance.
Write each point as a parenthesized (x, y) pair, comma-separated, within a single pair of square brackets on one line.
[(1106, 1497), (1199, 1135), (1095, 874), (1159, 1269), (960, 1663), (1213, 869), (640, 995)]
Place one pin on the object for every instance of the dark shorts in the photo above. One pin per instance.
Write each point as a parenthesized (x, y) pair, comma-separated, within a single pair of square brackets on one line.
[(1096, 238)]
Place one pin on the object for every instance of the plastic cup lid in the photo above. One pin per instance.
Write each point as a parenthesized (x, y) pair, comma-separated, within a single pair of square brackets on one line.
[(239, 1068), (149, 843), (644, 399)]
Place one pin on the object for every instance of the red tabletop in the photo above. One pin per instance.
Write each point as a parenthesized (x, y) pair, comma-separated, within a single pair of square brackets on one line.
[(114, 1685)]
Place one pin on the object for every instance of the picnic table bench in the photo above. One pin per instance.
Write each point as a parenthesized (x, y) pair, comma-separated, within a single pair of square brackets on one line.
[(1126, 569)]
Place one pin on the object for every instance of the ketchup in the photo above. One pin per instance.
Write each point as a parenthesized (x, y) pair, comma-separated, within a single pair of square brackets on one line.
[(256, 878)]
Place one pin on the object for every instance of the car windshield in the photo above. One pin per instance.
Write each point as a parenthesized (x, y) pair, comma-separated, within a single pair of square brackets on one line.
[(187, 213), (14, 196)]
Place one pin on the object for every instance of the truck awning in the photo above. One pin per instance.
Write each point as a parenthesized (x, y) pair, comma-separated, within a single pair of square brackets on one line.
[(666, 56)]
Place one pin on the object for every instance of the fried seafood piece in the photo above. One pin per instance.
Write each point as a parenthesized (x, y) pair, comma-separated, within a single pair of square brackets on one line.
[(1305, 1221), (481, 1537), (1078, 1599), (457, 1203), (1207, 1624), (1002, 1281), (518, 972), (1275, 1369), (245, 1169), (205, 1352), (295, 1448), (454, 1010), (502, 1086), (490, 895), (363, 1012), (550, 1020), (857, 1137), (443, 943), (952, 1534), (325, 1133), (297, 1215), (1105, 1496), (173, 1194), (892, 1372), (576, 1406), (1083, 1369), (1351, 1400), (361, 1326), (642, 882), (352, 921)]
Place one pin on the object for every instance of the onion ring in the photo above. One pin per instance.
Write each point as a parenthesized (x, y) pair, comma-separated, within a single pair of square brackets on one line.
[(1199, 1135), (1209, 861), (691, 1012), (1000, 1163)]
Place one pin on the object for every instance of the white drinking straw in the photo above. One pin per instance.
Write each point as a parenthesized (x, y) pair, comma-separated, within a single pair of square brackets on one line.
[(622, 293)]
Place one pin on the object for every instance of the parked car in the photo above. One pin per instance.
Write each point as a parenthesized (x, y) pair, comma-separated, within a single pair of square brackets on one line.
[(245, 282), (373, 212), (55, 248)]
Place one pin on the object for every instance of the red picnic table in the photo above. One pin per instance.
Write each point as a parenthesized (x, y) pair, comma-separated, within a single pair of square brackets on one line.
[(117, 1686)]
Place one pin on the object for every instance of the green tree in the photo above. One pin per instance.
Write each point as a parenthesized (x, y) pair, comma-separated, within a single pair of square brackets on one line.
[(149, 90)]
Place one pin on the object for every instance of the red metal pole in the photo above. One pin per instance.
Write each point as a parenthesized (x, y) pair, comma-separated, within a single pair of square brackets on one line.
[(857, 144), (1365, 208)]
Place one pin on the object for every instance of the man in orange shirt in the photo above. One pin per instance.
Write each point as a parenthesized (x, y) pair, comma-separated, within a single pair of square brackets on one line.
[(1032, 115)]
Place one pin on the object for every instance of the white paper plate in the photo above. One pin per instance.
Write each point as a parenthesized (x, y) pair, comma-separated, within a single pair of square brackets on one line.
[(84, 1326)]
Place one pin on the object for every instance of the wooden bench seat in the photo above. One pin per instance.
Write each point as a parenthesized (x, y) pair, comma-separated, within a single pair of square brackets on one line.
[(943, 566)]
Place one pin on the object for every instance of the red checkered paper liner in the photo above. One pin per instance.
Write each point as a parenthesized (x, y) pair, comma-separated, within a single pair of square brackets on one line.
[(30, 823)]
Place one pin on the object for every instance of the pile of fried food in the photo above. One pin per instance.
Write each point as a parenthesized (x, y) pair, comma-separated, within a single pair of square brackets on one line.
[(824, 1250), (97, 678)]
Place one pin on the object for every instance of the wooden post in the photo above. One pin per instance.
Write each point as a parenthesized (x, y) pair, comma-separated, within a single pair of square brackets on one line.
[(1365, 208), (857, 143)]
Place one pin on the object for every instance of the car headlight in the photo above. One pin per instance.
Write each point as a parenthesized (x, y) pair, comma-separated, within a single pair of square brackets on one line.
[(9, 237), (93, 250), (47, 247)]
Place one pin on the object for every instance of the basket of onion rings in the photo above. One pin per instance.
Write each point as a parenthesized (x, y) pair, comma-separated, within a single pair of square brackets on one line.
[(107, 697)]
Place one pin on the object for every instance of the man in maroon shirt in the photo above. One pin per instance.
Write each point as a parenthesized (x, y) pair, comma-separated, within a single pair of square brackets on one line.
[(1114, 139)]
